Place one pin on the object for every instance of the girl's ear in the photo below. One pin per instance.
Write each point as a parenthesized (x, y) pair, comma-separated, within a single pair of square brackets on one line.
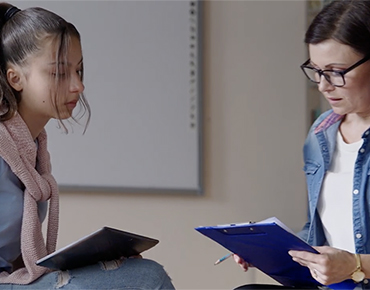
[(14, 77)]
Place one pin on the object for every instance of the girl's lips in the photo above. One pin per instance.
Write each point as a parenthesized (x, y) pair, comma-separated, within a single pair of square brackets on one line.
[(71, 104)]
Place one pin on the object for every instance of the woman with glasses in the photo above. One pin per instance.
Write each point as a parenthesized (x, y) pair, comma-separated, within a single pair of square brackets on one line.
[(337, 148)]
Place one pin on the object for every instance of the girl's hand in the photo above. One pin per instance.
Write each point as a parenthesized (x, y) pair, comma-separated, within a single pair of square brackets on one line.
[(243, 264), (330, 266)]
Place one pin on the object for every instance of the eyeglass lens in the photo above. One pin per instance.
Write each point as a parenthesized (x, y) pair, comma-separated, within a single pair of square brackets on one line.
[(332, 77)]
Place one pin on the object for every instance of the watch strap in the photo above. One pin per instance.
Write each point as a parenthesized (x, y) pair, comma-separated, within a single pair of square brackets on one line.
[(358, 275)]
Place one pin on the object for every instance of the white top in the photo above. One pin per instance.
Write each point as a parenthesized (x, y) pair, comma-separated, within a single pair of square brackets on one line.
[(335, 201)]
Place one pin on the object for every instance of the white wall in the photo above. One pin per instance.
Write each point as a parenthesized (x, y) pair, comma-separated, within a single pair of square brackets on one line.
[(254, 128)]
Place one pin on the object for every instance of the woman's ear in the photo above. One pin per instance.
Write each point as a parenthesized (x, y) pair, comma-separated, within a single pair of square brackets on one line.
[(14, 77)]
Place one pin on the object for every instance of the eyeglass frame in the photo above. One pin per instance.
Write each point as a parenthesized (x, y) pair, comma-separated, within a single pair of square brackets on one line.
[(321, 72)]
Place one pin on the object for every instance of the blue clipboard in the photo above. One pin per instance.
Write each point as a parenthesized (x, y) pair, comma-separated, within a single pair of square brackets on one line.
[(265, 245)]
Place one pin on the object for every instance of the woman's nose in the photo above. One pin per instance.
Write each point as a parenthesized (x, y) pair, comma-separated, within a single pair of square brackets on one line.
[(324, 85)]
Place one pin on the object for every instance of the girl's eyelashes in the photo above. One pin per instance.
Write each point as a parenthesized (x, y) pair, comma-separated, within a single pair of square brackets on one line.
[(60, 74)]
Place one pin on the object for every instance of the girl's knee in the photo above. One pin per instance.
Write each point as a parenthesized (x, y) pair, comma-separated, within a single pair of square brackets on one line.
[(147, 265), (152, 272)]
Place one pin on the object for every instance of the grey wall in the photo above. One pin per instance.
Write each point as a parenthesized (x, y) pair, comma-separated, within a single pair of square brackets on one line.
[(254, 125)]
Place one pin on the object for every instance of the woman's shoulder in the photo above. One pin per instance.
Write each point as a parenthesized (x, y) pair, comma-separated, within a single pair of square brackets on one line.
[(325, 121), (321, 118), (311, 138)]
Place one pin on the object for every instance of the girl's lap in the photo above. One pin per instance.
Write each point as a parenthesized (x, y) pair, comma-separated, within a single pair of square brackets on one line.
[(129, 273)]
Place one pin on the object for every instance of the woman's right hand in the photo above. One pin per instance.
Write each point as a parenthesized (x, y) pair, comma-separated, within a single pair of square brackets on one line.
[(243, 264)]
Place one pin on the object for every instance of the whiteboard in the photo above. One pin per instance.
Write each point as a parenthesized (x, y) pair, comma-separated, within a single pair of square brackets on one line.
[(142, 80)]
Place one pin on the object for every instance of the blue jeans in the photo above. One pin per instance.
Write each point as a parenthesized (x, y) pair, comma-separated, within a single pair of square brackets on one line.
[(132, 273)]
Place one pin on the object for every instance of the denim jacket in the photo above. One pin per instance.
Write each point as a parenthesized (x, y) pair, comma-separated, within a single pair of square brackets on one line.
[(318, 151)]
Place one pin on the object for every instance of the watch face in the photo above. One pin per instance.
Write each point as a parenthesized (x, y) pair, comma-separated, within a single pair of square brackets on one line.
[(358, 276)]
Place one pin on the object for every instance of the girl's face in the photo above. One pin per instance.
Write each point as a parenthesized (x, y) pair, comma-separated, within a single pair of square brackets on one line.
[(354, 96), (38, 88)]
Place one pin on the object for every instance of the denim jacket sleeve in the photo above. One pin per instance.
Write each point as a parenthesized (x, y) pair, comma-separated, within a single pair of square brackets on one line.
[(311, 165)]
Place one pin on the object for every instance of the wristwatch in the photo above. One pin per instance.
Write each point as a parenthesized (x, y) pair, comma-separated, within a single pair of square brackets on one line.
[(358, 276)]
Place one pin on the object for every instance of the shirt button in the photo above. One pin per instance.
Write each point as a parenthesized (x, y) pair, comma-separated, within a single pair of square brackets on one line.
[(367, 133), (355, 191), (366, 281), (362, 150), (358, 236)]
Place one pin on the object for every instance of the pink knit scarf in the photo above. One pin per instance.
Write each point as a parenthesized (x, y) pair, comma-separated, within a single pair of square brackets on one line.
[(19, 150)]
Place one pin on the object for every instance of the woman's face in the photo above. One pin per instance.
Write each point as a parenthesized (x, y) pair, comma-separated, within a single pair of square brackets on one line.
[(38, 87), (354, 96)]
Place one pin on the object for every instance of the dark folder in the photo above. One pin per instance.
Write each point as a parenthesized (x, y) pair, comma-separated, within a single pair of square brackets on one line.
[(265, 245), (102, 245)]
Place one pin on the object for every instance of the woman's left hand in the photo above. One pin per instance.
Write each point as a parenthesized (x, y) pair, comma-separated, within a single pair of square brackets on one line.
[(330, 266)]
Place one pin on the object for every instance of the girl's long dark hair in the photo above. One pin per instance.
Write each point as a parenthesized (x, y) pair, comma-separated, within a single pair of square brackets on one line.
[(24, 35)]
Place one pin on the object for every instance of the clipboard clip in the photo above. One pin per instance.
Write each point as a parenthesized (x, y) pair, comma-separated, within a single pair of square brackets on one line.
[(251, 229)]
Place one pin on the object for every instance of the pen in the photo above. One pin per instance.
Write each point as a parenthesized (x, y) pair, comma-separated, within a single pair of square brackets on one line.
[(223, 258)]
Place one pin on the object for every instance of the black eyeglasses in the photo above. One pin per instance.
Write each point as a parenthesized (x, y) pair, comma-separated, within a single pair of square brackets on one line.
[(334, 77)]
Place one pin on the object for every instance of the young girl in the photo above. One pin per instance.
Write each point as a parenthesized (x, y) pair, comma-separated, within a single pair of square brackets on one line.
[(41, 78)]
